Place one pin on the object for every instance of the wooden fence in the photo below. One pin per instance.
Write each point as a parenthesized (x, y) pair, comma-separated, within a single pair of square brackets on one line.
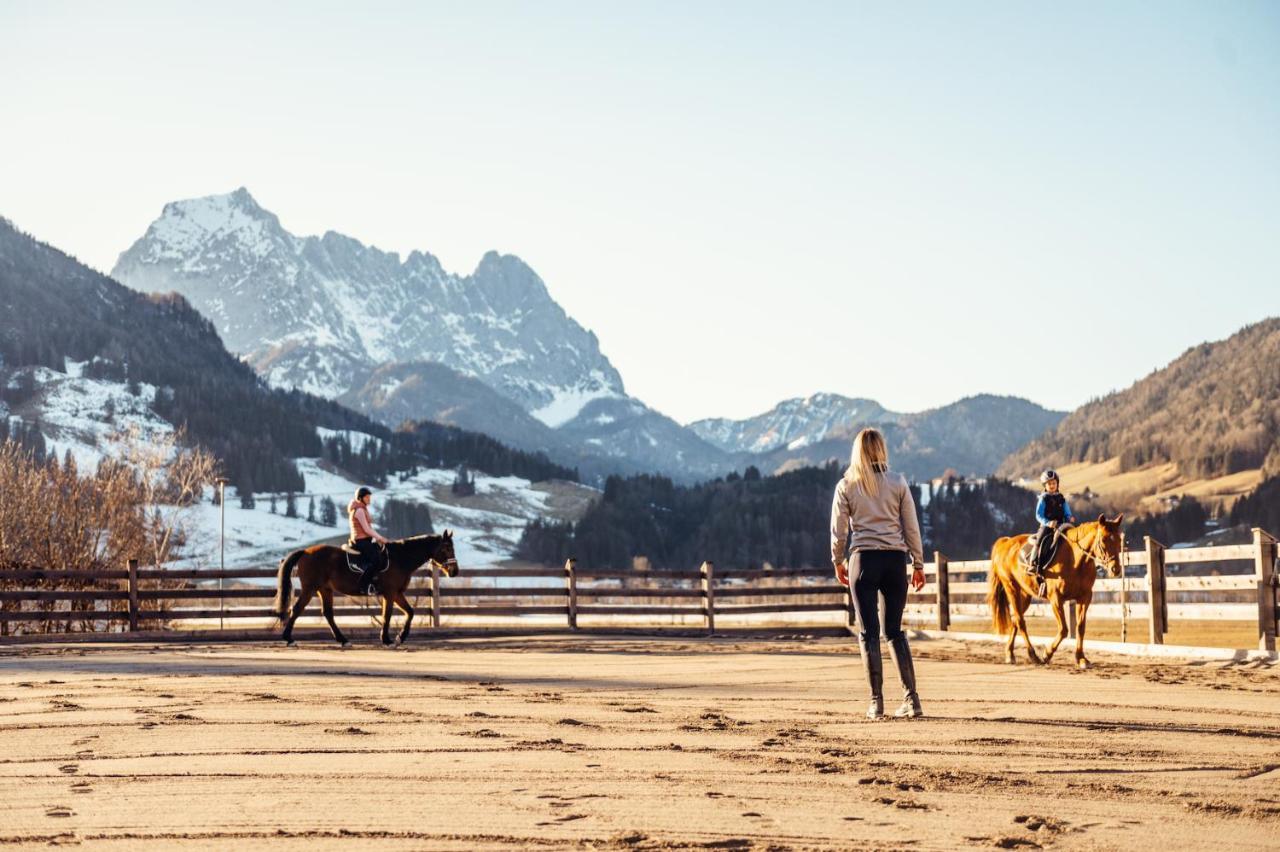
[(138, 599)]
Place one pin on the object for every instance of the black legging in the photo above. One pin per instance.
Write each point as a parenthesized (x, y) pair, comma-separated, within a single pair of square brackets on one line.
[(369, 555), (873, 573)]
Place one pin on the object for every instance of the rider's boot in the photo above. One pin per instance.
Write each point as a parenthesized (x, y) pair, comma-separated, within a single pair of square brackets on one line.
[(873, 664), (901, 653), (367, 585)]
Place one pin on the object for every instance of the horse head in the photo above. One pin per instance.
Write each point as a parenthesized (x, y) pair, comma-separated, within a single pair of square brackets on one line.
[(444, 555), (1108, 544)]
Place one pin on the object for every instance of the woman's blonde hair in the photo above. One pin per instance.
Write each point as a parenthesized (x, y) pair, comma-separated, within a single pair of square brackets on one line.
[(869, 457)]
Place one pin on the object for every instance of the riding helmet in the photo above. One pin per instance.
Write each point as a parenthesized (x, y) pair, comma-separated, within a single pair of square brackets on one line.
[(362, 492), (1047, 475)]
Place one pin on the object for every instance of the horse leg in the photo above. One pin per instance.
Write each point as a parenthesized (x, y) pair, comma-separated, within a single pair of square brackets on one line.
[(1060, 613), (1011, 596), (326, 601), (1082, 614), (403, 603), (386, 619), (304, 597), (1021, 625)]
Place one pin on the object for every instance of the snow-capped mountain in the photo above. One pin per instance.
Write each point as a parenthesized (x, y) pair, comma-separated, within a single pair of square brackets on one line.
[(793, 424), (314, 313), (642, 440), (972, 435)]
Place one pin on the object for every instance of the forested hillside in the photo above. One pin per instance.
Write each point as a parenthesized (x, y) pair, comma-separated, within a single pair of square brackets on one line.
[(748, 521), (1213, 411)]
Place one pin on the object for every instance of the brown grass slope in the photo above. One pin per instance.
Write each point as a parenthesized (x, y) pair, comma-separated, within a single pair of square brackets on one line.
[(1212, 412)]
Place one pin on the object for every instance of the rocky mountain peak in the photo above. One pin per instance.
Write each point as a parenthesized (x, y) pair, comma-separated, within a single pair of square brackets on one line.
[(317, 313)]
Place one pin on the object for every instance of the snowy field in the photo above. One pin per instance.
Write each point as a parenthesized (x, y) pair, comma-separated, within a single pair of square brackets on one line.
[(482, 536), (78, 415)]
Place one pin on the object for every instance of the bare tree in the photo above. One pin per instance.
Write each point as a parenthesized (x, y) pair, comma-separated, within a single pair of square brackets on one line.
[(170, 477)]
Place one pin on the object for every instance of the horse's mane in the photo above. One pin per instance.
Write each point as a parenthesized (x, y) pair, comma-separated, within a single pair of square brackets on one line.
[(1081, 529)]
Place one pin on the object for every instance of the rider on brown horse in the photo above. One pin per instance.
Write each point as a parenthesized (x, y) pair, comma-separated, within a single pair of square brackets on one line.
[(1055, 517), (365, 539)]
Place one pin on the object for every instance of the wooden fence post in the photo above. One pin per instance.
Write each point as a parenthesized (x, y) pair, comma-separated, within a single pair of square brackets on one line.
[(435, 595), (1155, 592), (1265, 570), (707, 571), (571, 587), (944, 591), (133, 594)]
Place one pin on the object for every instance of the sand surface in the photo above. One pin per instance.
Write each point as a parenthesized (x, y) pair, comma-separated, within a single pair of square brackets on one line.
[(626, 743)]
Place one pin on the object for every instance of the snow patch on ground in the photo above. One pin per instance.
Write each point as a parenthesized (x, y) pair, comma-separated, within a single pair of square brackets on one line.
[(80, 415), (486, 532), (356, 440), (567, 402)]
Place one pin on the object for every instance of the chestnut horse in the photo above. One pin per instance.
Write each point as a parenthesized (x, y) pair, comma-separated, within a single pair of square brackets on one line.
[(323, 568), (1069, 577)]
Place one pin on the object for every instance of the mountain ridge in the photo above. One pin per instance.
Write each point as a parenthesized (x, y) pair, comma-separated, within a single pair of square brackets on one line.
[(312, 312), (972, 435), (1212, 413)]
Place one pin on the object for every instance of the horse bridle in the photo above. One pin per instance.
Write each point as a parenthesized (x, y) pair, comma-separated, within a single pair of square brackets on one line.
[(445, 565), (1105, 564)]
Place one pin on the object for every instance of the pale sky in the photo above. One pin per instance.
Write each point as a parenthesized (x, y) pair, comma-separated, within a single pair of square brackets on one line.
[(746, 202)]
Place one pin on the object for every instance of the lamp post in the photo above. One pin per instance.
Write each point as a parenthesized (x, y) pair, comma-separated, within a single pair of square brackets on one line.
[(222, 546)]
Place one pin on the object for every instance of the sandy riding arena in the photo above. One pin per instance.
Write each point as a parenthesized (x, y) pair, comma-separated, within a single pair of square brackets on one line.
[(625, 742)]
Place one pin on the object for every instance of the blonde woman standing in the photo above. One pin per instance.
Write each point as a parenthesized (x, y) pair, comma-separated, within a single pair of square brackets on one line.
[(873, 518)]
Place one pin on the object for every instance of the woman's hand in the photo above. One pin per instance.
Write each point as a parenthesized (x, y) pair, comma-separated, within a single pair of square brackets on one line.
[(842, 573), (917, 578)]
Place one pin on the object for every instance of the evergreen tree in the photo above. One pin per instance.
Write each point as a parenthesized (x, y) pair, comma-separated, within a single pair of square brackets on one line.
[(290, 505), (247, 501), (311, 510), (328, 512)]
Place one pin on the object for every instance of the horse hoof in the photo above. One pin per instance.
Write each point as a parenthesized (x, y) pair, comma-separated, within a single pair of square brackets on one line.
[(344, 645), (289, 643), (1082, 665)]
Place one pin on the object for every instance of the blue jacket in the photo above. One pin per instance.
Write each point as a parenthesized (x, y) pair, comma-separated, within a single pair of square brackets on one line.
[(1040, 513)]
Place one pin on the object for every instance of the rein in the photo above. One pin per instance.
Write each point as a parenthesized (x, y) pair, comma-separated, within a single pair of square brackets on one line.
[(1105, 562)]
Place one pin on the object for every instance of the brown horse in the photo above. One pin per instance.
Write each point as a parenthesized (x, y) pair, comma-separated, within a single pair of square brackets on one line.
[(323, 568), (1069, 577)]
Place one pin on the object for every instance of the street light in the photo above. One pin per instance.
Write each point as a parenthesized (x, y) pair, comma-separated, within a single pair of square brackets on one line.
[(222, 545)]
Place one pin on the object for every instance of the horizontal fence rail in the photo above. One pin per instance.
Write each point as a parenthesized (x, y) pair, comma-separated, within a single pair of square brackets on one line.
[(140, 599)]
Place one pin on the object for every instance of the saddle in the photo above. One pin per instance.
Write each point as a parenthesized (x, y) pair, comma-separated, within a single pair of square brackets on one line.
[(1035, 546), (354, 558)]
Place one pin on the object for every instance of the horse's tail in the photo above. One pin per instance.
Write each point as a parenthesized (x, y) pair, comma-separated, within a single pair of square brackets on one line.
[(284, 584), (997, 600)]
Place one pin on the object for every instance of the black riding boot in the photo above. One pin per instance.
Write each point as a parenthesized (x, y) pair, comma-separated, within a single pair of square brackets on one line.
[(367, 584), (873, 664), (901, 653)]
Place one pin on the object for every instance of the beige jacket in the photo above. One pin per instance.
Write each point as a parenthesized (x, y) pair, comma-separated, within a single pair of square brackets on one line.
[(884, 522)]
